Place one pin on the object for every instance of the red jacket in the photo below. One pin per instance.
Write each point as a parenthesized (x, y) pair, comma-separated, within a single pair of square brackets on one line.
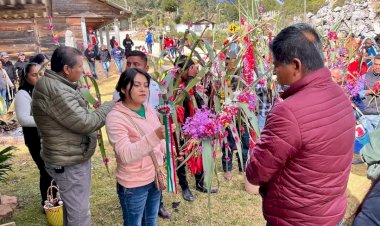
[(303, 159)]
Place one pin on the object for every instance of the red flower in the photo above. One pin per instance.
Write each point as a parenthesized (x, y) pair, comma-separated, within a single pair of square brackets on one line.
[(355, 71), (376, 87)]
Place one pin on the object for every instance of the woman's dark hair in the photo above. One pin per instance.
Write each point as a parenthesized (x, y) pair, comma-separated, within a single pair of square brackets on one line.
[(64, 56), (25, 72), (39, 58), (128, 77)]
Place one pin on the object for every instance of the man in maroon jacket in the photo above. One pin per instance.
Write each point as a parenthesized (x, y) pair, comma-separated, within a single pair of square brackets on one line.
[(302, 161)]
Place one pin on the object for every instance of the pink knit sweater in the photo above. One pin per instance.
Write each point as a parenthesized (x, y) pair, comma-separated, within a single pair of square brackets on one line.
[(134, 165)]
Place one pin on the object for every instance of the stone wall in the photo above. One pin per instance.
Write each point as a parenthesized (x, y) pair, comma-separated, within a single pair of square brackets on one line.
[(357, 18)]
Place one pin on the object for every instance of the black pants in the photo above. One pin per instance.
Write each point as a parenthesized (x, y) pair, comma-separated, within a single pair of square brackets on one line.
[(34, 147), (182, 179)]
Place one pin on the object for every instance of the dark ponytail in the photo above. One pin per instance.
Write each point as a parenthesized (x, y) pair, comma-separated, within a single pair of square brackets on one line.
[(25, 71)]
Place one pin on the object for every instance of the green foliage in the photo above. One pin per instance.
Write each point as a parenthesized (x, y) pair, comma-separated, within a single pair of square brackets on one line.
[(169, 5), (339, 3), (177, 19), (5, 165)]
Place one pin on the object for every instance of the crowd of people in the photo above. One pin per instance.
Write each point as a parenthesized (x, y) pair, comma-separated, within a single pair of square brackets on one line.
[(301, 161)]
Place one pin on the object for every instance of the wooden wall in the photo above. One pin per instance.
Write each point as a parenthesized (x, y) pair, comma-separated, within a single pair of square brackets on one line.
[(33, 35), (66, 9)]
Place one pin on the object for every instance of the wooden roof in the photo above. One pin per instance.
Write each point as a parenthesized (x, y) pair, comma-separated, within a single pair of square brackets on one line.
[(12, 9), (19, 9), (203, 21)]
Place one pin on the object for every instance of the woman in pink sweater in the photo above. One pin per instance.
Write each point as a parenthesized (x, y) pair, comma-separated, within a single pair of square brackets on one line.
[(135, 131)]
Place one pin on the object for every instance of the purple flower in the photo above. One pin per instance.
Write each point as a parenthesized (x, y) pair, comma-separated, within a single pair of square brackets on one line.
[(203, 125)]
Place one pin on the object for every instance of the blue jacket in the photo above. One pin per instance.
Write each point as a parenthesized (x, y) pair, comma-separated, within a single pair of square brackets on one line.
[(149, 38), (117, 53)]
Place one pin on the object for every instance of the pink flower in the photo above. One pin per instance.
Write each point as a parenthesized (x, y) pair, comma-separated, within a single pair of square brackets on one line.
[(50, 26), (199, 88), (242, 21), (182, 86), (222, 56), (261, 8), (163, 83), (174, 70), (214, 154), (55, 40), (248, 98), (106, 161), (99, 135), (250, 28), (228, 158)]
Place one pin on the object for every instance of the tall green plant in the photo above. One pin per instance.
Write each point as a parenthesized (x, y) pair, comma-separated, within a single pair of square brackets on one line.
[(5, 166)]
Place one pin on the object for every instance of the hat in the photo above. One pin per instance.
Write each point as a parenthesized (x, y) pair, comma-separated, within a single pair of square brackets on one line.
[(181, 60), (21, 54), (4, 54)]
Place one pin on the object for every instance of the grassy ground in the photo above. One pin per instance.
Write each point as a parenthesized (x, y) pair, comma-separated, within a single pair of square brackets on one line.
[(231, 206)]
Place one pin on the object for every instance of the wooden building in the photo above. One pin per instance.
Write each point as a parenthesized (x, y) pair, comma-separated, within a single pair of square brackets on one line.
[(24, 24), (200, 25)]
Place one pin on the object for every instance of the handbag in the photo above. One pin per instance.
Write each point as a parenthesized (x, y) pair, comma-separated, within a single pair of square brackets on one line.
[(160, 177)]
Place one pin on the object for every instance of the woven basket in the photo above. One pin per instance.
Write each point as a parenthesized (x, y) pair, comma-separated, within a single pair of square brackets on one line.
[(54, 214)]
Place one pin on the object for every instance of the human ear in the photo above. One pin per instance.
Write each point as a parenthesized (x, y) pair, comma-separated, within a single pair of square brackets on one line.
[(66, 69), (297, 67)]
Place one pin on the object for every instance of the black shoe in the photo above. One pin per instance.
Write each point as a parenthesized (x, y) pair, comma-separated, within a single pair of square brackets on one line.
[(186, 194), (204, 190), (163, 213)]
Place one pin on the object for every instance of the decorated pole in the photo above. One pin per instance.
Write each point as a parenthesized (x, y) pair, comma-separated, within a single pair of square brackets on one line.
[(166, 111)]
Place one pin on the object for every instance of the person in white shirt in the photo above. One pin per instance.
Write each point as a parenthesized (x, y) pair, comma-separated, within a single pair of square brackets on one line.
[(28, 78), (138, 59)]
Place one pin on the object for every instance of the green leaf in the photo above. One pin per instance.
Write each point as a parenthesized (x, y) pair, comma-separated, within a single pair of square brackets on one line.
[(251, 117), (5, 166), (210, 50)]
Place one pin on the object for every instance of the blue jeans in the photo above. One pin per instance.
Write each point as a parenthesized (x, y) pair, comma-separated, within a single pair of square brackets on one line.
[(261, 121), (93, 70), (119, 64), (106, 67), (227, 163), (150, 47), (3, 94), (140, 205)]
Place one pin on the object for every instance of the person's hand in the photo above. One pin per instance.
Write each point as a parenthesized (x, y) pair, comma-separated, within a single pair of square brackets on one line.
[(181, 157), (160, 132)]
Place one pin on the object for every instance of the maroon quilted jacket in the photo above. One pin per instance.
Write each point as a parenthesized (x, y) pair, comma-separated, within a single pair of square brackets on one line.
[(303, 159)]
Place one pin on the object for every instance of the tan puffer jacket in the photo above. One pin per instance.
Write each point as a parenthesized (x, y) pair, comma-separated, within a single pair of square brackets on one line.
[(67, 127)]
